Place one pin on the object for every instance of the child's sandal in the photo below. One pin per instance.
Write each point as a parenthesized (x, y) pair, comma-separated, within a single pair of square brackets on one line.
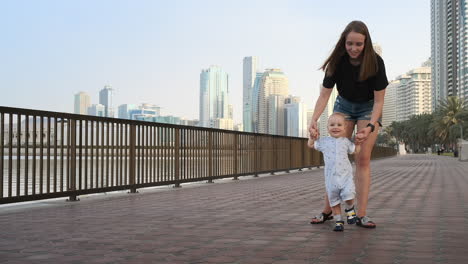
[(339, 226), (320, 219), (350, 216), (365, 222)]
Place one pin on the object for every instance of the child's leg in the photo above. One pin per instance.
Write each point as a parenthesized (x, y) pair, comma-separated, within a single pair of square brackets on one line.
[(350, 212), (339, 224), (337, 211)]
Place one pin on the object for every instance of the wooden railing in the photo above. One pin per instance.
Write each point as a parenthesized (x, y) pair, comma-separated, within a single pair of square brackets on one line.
[(49, 154)]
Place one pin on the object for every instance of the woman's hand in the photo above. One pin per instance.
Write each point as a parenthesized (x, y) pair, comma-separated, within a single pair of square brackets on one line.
[(313, 130), (362, 135)]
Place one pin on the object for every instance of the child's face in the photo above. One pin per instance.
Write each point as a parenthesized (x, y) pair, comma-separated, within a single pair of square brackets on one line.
[(336, 126)]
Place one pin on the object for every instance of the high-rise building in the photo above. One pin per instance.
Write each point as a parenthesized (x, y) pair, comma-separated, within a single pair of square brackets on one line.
[(402, 90), (274, 83), (323, 120), (189, 122), (239, 127), (463, 49), (255, 97), (310, 114), (97, 110), (389, 109), (449, 49), (106, 99), (82, 103), (146, 112), (275, 114), (295, 117), (224, 123), (250, 65), (377, 48), (164, 119), (413, 93), (124, 110), (214, 96)]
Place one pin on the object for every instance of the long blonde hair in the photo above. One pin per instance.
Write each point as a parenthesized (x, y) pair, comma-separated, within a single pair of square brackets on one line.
[(369, 64)]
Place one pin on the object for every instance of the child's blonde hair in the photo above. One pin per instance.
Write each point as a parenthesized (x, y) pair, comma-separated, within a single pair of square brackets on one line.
[(338, 114)]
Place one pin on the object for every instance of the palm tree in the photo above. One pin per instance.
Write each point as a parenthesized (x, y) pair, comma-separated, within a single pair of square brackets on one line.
[(396, 130), (418, 131), (451, 114)]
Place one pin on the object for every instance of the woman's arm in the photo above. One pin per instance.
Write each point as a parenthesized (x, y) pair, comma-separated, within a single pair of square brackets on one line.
[(320, 105), (376, 114), (378, 106)]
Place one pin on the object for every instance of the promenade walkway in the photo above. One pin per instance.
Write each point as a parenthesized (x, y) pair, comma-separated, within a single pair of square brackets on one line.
[(419, 202)]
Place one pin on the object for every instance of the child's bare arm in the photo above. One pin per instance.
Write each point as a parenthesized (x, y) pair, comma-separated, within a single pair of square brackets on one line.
[(312, 139), (311, 142)]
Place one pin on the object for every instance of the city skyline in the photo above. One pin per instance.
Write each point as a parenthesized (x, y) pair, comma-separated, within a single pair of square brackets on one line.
[(152, 52)]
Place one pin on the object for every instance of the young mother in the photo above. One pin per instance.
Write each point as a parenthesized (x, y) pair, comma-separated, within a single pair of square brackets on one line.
[(359, 75)]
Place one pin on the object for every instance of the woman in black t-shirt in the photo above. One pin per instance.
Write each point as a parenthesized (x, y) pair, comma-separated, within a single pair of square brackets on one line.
[(359, 75)]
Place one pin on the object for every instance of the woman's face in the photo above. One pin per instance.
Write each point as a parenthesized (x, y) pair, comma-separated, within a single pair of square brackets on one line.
[(354, 44)]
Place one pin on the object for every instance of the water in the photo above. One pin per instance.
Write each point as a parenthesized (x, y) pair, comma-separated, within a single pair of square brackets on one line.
[(101, 172)]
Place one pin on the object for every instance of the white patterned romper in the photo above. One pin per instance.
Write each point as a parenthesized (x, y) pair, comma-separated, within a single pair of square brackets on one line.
[(339, 181)]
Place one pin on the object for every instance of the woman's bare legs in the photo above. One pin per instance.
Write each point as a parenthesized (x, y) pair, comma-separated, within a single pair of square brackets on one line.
[(363, 179), (327, 208)]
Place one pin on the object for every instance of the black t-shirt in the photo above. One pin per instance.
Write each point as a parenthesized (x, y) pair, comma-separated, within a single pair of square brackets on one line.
[(346, 78)]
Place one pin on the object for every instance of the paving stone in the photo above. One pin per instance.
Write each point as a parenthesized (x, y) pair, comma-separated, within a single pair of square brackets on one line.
[(418, 202)]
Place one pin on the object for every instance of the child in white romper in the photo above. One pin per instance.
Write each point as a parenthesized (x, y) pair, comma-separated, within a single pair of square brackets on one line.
[(339, 181)]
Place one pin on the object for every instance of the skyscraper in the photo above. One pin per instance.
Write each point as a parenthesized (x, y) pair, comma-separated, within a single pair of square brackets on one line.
[(449, 49), (214, 96), (275, 114), (414, 93), (295, 117), (250, 65), (82, 103), (144, 112), (255, 97), (274, 84), (124, 109), (463, 50), (106, 99), (323, 120), (389, 108), (97, 110)]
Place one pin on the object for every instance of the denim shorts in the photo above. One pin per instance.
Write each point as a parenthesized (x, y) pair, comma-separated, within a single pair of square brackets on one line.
[(354, 111)]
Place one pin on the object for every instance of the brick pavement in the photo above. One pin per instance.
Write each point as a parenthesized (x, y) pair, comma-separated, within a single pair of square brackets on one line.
[(419, 203)]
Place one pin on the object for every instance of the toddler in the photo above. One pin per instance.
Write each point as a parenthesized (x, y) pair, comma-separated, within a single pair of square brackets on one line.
[(339, 181)]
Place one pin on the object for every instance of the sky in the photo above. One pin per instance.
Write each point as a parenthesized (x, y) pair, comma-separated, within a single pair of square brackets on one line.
[(152, 51)]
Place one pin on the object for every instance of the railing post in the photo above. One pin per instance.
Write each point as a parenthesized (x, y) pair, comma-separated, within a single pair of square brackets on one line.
[(290, 154), (2, 151), (132, 160), (256, 156), (302, 157), (210, 155), (72, 161), (236, 135), (275, 156), (177, 158)]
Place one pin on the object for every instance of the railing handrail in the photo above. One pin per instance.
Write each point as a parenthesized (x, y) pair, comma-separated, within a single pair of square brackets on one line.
[(33, 112)]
